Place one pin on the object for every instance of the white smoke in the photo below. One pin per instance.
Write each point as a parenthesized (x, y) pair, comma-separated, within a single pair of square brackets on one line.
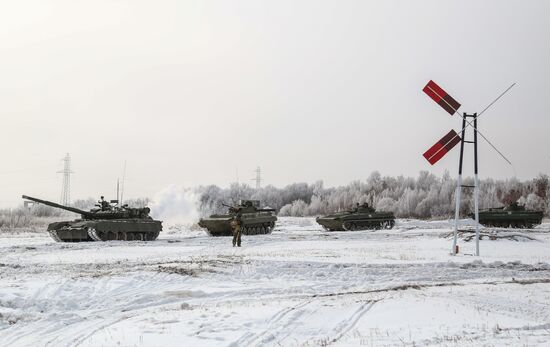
[(176, 205)]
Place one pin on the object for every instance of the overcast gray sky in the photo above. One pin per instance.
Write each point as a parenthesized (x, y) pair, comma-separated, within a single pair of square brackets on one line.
[(187, 91)]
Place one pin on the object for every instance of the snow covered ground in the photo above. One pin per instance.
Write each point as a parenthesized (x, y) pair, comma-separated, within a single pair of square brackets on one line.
[(299, 286)]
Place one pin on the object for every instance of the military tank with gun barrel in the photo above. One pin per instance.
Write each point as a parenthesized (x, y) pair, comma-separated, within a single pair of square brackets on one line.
[(255, 220), (363, 217), (511, 216), (104, 223)]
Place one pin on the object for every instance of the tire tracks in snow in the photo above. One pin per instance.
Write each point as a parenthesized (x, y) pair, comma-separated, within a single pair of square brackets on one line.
[(346, 325), (284, 322), (278, 322), (107, 303)]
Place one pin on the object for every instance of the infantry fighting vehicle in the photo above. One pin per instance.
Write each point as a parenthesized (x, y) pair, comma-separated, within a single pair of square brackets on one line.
[(362, 217), (255, 220), (107, 222), (511, 216)]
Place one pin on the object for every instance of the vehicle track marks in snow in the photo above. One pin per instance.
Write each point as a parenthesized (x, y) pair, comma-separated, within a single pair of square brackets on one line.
[(345, 326), (276, 325)]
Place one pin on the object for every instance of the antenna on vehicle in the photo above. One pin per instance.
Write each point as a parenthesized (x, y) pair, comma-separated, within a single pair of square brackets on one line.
[(238, 184), (447, 142), (122, 188), (118, 191)]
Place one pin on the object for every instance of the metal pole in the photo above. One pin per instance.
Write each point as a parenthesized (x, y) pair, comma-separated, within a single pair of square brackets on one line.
[(459, 186), (476, 188), (457, 208)]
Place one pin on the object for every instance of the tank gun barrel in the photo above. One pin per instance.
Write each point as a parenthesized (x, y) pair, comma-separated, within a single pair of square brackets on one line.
[(53, 204)]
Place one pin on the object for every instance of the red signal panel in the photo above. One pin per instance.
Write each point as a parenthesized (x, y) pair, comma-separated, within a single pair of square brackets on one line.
[(442, 147), (441, 97)]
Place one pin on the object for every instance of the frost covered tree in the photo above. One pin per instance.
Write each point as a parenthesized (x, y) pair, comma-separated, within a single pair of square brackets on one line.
[(424, 196)]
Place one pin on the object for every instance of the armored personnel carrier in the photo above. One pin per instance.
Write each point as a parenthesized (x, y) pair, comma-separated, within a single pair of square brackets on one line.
[(255, 220), (363, 217), (104, 223), (511, 216)]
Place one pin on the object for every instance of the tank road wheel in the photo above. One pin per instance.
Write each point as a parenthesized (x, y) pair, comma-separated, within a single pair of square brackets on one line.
[(263, 230), (388, 224), (348, 226), (129, 236), (153, 236)]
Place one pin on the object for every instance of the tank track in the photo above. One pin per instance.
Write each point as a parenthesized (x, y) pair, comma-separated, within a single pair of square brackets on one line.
[(258, 229), (122, 235), (53, 235), (507, 224), (367, 225), (94, 235)]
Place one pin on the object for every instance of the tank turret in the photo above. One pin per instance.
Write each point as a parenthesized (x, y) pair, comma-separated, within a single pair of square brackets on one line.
[(102, 212), (107, 222), (247, 206)]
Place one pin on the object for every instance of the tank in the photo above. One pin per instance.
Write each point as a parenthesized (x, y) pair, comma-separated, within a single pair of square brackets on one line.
[(256, 220), (104, 223), (363, 217), (511, 216)]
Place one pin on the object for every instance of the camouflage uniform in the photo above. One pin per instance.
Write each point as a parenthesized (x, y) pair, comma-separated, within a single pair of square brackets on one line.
[(104, 204), (236, 224)]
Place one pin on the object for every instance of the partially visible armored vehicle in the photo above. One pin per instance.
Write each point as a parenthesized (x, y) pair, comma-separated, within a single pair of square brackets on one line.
[(363, 217), (511, 216), (104, 223), (255, 220)]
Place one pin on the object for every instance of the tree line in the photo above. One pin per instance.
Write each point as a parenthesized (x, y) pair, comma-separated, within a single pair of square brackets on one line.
[(425, 196)]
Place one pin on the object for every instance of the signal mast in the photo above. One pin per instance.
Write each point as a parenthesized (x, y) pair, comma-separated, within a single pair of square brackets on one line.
[(449, 141)]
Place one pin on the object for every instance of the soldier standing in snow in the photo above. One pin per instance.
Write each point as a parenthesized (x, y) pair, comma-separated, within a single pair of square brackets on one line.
[(236, 224)]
